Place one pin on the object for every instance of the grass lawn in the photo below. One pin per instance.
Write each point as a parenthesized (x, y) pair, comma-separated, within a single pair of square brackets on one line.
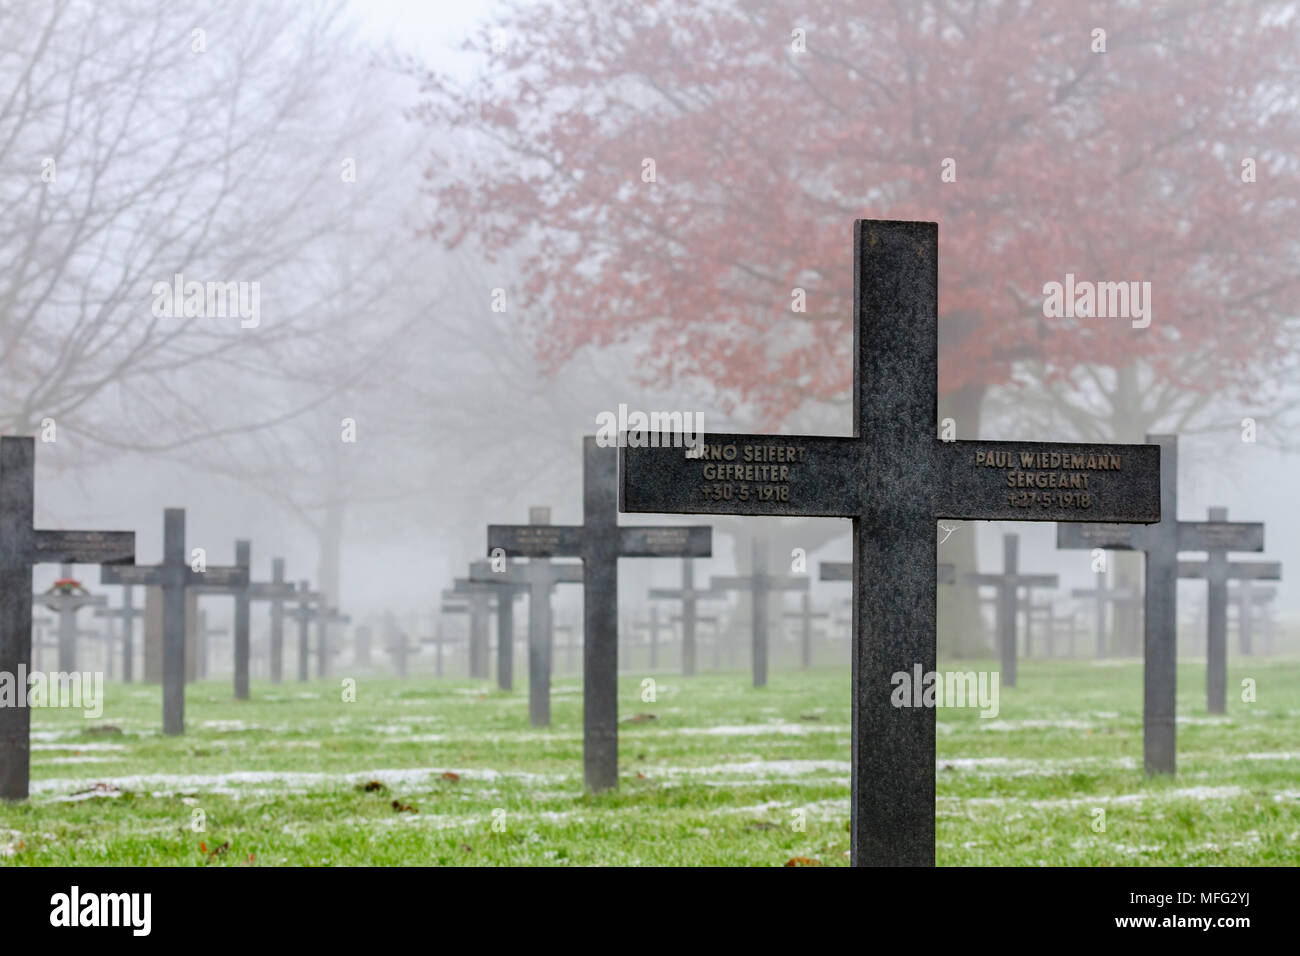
[(449, 772)]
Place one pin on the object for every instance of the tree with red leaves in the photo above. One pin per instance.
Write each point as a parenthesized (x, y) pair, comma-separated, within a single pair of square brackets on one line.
[(1113, 156), (684, 176)]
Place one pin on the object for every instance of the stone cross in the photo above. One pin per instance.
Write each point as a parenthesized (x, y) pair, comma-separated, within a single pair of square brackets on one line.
[(479, 598), (127, 614), (304, 612), (759, 583), (895, 479), (651, 626), (397, 644), (711, 620), (65, 601), (1216, 570), (1008, 584), (239, 590), (689, 597), (569, 646), (1103, 595), (202, 634), (505, 591), (599, 541), (805, 618), (1161, 542), (540, 576), (174, 577), (325, 616), (276, 591), (1245, 596)]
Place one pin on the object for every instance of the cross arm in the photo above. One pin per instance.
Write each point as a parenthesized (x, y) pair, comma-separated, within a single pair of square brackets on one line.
[(84, 547), (1108, 537), (148, 575), (836, 571), (691, 541), (1046, 481), (1220, 536), (735, 474), (1236, 570), (536, 540), (270, 590), (730, 583), (216, 579)]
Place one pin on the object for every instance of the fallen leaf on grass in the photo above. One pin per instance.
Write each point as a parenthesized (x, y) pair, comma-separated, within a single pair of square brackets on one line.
[(401, 807), (640, 718), (802, 861), (103, 730), (451, 775), (373, 786)]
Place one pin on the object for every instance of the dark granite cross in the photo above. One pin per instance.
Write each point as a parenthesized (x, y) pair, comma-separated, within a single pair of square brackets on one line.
[(760, 584), (894, 478), (540, 577), (277, 591), (479, 599), (304, 612), (570, 645), (599, 541), (805, 617), (202, 636), (1103, 595), (452, 603), (1244, 596), (325, 616), (1216, 570), (65, 603), (440, 639), (174, 576), (709, 619), (690, 598), (127, 614), (1008, 584), (651, 626), (504, 591), (1161, 542), (238, 588), (1033, 614)]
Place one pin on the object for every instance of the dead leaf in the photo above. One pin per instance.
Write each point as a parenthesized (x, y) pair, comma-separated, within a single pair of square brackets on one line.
[(802, 861), (450, 775)]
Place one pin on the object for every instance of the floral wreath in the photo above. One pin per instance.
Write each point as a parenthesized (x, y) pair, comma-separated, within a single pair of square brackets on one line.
[(67, 586)]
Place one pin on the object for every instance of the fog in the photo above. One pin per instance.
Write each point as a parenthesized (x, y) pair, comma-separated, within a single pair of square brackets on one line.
[(302, 147)]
